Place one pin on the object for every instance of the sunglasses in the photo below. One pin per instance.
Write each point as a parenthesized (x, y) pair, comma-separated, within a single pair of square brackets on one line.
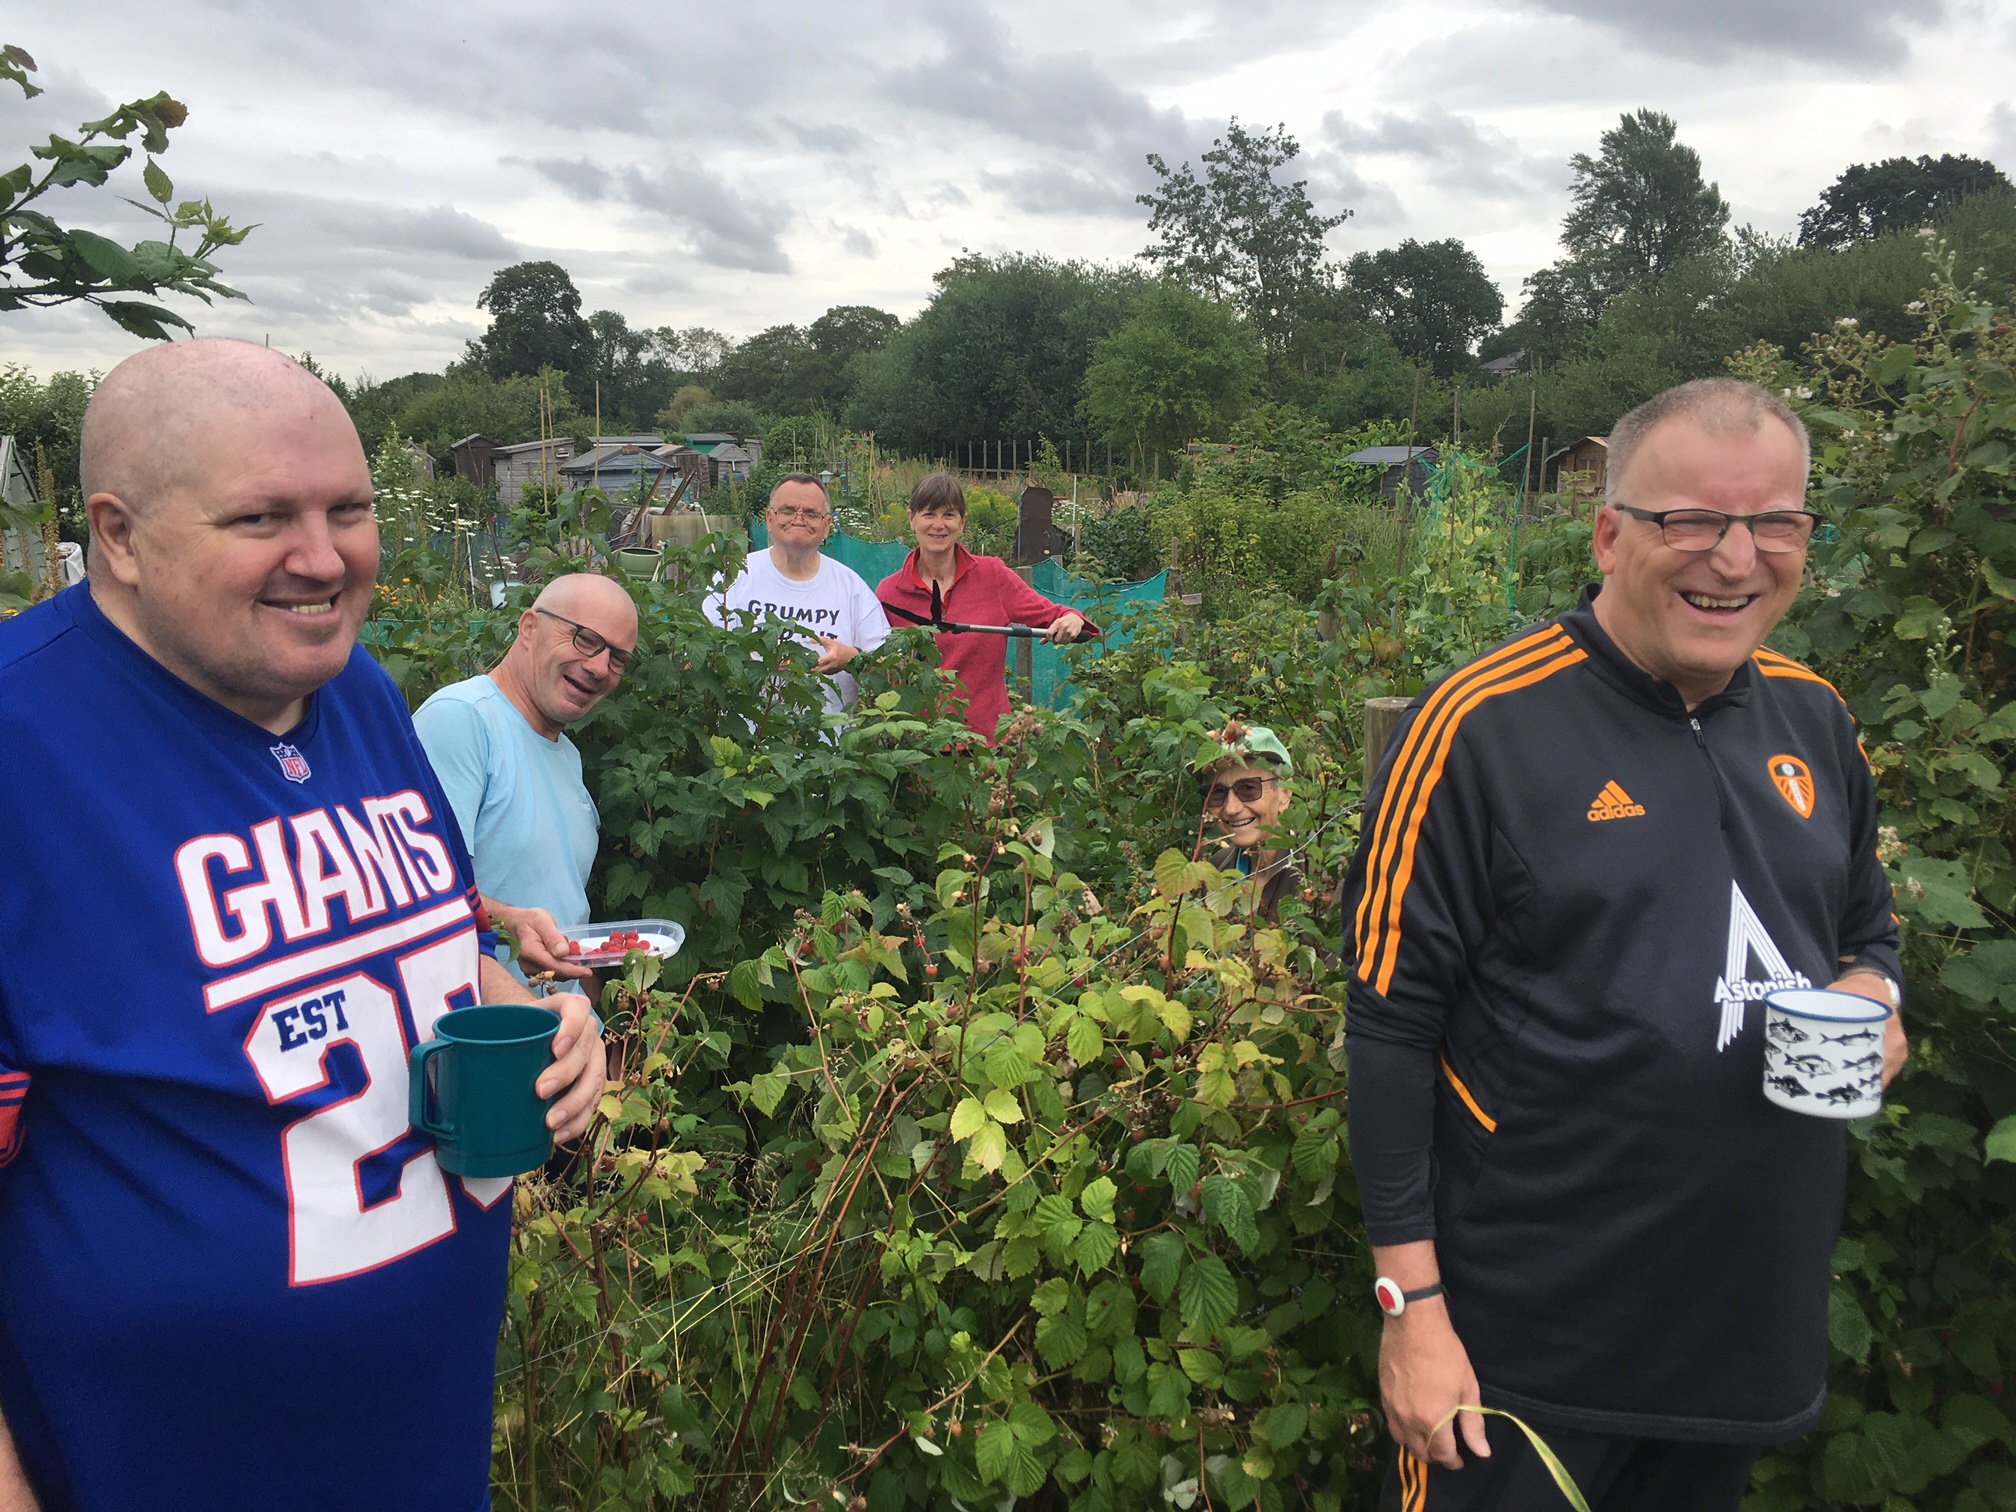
[(591, 645), (1247, 790)]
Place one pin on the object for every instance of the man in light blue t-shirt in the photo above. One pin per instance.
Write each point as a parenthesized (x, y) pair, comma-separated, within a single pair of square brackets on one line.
[(499, 746)]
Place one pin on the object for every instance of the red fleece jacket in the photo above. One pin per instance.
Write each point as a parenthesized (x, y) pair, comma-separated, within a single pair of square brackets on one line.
[(984, 591)]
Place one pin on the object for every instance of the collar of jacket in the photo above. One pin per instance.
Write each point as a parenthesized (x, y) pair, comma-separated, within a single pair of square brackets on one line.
[(961, 560), (1633, 681)]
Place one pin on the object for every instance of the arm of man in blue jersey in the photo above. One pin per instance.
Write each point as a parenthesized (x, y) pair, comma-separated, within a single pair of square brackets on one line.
[(1416, 903)]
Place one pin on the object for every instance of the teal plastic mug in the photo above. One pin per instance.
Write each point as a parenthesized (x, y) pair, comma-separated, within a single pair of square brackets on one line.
[(470, 1087)]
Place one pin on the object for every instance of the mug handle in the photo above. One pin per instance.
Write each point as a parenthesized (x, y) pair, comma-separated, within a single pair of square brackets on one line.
[(416, 1088)]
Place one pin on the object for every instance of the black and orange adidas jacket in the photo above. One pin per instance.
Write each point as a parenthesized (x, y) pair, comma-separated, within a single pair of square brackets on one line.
[(1570, 897)]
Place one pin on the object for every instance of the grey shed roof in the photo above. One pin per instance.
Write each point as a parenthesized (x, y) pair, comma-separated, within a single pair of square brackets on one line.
[(1390, 456)]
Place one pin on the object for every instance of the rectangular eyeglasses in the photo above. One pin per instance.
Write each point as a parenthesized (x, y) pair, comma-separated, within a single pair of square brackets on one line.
[(591, 645), (1703, 529)]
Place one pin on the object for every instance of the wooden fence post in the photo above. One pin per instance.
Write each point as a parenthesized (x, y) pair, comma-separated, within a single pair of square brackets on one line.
[(1381, 715)]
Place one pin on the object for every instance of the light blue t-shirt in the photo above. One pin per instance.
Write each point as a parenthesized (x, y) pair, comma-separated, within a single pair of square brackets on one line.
[(524, 811)]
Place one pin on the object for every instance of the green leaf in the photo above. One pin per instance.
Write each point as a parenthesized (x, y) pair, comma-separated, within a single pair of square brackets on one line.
[(1941, 892), (1130, 1361), (1175, 1018), (1096, 1201), (989, 1147), (1181, 1169), (1083, 1041), (1847, 1325), (1315, 1152), (1919, 620), (1002, 1107), (1225, 1203), (2001, 1141), (1060, 1340), (1095, 1247), (1284, 1423), (1053, 1296), (1032, 1425), (742, 983), (158, 183), (969, 1118), (1210, 1295), (1172, 873), (1934, 538), (993, 1450), (1202, 1366), (1161, 1263), (1975, 1421)]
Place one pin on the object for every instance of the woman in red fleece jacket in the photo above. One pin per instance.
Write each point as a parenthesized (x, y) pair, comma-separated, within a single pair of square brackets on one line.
[(973, 590)]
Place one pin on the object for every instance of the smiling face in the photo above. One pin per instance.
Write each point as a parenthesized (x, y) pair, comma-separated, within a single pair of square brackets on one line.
[(799, 517), (546, 674), (937, 527), (1694, 617), (1246, 823), (248, 572)]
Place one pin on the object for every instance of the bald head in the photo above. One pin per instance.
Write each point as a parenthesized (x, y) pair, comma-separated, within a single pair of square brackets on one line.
[(600, 603), (145, 429)]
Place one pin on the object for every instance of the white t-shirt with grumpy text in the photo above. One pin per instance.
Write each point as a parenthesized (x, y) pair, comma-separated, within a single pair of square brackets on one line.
[(835, 602)]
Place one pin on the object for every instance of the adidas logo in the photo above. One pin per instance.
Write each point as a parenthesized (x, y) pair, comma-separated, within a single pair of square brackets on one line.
[(1614, 803)]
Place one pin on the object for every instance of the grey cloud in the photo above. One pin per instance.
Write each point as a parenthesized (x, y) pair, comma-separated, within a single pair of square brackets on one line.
[(1054, 191), (726, 228), (1869, 32), (1454, 151), (857, 242)]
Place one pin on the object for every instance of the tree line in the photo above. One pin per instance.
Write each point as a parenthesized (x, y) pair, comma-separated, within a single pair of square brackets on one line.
[(1233, 315)]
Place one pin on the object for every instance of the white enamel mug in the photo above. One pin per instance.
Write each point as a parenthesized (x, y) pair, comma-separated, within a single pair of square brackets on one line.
[(1823, 1052)]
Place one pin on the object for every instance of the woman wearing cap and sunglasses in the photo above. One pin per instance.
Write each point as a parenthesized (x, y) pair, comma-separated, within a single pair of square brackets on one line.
[(1245, 792), (943, 576)]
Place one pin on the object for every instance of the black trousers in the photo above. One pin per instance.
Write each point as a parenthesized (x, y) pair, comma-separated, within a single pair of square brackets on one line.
[(1614, 1474)]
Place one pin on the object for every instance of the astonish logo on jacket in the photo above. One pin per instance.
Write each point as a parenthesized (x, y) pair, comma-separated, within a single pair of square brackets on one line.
[(1734, 989), (1614, 803)]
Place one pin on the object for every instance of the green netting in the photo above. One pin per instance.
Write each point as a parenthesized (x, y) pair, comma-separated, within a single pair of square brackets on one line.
[(1099, 603), (874, 560)]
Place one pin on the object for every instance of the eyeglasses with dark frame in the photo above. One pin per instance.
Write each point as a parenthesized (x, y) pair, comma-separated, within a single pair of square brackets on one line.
[(1703, 529), (789, 514), (1246, 789), (591, 645)]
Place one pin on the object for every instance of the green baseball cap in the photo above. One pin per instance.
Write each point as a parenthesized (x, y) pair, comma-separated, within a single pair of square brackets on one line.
[(1255, 743)]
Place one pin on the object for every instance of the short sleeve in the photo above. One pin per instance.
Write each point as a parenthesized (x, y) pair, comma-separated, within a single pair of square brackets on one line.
[(871, 625), (457, 743), (13, 1093)]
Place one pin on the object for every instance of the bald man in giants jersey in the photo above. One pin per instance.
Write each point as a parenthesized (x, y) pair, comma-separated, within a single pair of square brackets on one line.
[(234, 897)]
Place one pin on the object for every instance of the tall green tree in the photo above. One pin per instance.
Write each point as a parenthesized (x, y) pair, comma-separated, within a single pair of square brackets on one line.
[(1000, 353), (1434, 298), (1641, 205), (535, 322), (635, 375), (1238, 233), (803, 370), (1182, 367), (43, 263), (1897, 194)]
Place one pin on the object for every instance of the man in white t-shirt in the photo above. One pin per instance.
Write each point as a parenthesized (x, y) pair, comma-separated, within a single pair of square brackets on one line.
[(793, 581)]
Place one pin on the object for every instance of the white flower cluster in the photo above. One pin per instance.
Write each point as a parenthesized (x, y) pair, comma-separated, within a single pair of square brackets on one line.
[(1916, 307), (1848, 322)]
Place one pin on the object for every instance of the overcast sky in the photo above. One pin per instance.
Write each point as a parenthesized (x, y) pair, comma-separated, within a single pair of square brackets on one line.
[(740, 166)]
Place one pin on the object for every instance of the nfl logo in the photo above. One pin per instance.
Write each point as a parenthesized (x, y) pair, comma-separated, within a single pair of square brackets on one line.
[(293, 765)]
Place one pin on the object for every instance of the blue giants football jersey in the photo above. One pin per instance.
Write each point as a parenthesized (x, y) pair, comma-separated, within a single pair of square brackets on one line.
[(231, 1277)]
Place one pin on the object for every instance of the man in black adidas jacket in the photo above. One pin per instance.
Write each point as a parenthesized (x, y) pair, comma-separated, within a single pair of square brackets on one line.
[(1588, 855)]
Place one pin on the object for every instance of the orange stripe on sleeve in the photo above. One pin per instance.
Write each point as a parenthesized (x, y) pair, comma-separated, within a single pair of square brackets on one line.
[(1385, 954), (1406, 764), (1771, 664)]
